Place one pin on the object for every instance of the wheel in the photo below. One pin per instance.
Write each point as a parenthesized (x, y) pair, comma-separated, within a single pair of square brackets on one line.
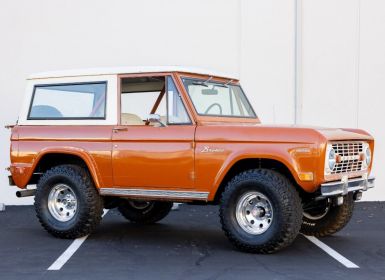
[(144, 212), (260, 211), (323, 218), (66, 202)]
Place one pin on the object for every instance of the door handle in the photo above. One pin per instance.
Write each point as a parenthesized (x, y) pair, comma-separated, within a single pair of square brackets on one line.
[(117, 129)]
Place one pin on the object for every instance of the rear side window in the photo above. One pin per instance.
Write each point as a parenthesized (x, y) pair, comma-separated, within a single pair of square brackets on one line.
[(69, 101)]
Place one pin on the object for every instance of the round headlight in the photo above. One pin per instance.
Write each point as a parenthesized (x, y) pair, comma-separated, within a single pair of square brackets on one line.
[(332, 159), (368, 156)]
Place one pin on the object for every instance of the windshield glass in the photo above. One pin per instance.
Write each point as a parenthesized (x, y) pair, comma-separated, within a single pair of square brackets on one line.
[(218, 99)]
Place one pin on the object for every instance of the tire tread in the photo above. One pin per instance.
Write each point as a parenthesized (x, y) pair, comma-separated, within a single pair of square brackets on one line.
[(92, 209), (333, 222), (291, 207)]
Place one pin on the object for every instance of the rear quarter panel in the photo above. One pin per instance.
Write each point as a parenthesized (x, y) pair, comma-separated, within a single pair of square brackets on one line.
[(91, 143)]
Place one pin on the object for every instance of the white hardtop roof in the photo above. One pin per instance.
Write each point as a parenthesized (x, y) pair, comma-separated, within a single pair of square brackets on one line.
[(128, 70)]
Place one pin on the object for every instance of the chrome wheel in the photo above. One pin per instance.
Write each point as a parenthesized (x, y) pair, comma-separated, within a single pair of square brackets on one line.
[(254, 213), (62, 202)]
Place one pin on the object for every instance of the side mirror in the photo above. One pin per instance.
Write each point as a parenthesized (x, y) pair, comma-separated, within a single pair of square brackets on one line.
[(155, 118)]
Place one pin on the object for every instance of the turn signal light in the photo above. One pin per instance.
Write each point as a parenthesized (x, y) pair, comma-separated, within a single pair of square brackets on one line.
[(306, 176)]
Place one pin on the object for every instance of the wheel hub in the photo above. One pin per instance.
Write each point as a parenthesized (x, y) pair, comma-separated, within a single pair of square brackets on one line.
[(254, 213), (62, 202), (258, 212)]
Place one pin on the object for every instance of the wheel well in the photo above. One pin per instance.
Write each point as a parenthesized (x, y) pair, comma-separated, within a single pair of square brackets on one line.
[(54, 159), (50, 160), (246, 164)]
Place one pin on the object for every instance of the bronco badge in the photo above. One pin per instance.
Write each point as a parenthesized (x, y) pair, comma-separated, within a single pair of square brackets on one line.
[(207, 149)]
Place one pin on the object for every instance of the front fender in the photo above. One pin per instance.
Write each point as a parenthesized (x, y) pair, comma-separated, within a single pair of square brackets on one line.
[(231, 161), (297, 158)]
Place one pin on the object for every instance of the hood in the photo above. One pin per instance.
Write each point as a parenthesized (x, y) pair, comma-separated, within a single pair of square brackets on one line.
[(246, 132), (344, 134), (330, 134)]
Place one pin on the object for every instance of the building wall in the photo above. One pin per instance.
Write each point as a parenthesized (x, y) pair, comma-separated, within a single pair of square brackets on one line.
[(321, 61), (343, 70)]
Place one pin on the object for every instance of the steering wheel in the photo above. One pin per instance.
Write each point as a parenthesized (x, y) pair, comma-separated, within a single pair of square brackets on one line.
[(212, 106)]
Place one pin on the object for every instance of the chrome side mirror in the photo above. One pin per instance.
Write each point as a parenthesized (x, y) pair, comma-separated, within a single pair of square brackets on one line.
[(155, 118)]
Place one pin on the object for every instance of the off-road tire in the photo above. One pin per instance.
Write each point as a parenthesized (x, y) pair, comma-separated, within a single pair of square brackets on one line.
[(286, 205), (89, 208), (156, 212), (335, 219)]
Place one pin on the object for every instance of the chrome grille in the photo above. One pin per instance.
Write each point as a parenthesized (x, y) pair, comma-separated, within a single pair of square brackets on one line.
[(349, 155)]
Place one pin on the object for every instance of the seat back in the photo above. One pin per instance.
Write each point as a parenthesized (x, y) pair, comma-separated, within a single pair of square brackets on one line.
[(131, 119)]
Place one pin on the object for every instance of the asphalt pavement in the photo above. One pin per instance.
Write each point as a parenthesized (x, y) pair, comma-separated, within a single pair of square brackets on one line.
[(187, 244)]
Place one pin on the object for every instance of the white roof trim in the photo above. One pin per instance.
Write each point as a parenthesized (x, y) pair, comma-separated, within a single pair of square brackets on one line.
[(128, 70)]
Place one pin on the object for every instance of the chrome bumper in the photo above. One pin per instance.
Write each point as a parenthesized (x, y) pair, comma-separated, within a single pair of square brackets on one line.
[(345, 186)]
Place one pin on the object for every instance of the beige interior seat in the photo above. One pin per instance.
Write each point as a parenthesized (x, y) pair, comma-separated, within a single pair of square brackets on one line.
[(131, 119)]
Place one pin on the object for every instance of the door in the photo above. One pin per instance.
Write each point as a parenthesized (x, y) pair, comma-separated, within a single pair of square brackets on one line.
[(156, 155)]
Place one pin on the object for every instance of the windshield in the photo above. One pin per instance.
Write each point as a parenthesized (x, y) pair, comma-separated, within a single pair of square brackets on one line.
[(218, 99)]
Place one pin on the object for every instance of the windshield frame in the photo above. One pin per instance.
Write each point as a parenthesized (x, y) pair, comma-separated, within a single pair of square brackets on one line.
[(229, 82)]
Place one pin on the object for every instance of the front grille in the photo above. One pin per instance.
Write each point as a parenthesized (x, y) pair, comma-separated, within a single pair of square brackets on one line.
[(349, 157)]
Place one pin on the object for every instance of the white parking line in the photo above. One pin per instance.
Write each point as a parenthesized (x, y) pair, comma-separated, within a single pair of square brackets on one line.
[(331, 252), (67, 254)]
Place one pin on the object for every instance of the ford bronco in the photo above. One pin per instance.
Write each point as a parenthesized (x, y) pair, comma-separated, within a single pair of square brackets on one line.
[(140, 139)]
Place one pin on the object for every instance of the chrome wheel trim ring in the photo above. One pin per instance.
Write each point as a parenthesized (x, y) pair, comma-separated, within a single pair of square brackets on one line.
[(254, 213), (62, 203)]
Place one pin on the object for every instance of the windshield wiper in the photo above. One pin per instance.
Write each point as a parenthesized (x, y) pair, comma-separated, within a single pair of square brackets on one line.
[(220, 85), (203, 83), (224, 85), (200, 84)]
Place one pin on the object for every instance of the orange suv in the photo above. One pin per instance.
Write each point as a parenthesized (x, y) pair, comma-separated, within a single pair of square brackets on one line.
[(139, 139)]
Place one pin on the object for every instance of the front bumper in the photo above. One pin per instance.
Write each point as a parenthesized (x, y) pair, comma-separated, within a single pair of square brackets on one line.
[(346, 186)]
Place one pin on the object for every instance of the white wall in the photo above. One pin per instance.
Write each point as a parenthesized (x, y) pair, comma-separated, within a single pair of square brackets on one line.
[(343, 70), (371, 87), (341, 57), (329, 62), (267, 58)]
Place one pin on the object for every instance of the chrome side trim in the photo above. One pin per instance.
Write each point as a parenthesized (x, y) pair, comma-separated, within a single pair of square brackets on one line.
[(345, 186), (155, 193)]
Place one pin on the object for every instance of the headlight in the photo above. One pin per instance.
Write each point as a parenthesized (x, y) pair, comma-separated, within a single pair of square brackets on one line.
[(368, 155), (330, 159)]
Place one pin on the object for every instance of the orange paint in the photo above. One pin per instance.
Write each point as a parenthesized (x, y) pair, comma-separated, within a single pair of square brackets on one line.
[(192, 157)]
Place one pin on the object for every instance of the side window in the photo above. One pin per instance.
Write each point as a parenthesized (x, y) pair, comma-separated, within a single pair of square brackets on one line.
[(69, 101), (141, 97), (177, 113), (147, 95)]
